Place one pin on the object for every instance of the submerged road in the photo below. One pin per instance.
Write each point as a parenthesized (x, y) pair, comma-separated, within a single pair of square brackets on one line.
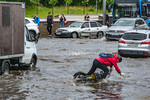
[(59, 59)]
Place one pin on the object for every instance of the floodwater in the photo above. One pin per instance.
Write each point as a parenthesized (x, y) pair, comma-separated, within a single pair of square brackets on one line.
[(59, 59)]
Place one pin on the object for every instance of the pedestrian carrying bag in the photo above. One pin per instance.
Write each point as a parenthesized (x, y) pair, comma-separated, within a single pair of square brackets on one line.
[(65, 22), (105, 55)]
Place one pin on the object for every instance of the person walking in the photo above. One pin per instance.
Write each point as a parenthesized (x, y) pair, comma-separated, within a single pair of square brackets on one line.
[(102, 64), (107, 20), (86, 17), (36, 19), (49, 23), (62, 21)]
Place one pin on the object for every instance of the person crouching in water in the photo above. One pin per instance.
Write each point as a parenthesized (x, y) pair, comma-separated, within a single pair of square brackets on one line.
[(103, 63)]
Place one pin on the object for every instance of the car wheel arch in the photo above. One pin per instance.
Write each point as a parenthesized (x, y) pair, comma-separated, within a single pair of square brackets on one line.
[(76, 33), (100, 32)]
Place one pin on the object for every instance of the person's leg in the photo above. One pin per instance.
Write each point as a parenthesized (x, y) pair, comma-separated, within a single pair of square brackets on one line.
[(105, 69), (94, 67), (63, 24), (50, 30), (60, 24), (97, 64)]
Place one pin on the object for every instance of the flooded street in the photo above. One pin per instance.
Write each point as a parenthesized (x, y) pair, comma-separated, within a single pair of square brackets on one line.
[(59, 59)]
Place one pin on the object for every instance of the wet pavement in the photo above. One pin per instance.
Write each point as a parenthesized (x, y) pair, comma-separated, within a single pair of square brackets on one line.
[(60, 58)]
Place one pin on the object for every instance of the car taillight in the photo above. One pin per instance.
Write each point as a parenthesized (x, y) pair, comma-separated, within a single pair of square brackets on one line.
[(121, 41), (146, 42)]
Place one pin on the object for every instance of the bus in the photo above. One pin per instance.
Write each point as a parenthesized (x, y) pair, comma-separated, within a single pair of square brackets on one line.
[(131, 9)]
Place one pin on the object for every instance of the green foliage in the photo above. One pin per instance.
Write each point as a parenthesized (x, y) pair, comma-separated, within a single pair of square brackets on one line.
[(48, 3), (53, 2), (59, 10), (68, 1), (85, 2)]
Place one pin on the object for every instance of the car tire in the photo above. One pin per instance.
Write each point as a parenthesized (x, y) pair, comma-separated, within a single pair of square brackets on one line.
[(100, 35), (5, 67), (32, 63), (32, 34), (74, 35)]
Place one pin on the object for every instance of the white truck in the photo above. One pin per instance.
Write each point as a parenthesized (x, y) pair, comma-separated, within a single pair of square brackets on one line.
[(17, 48)]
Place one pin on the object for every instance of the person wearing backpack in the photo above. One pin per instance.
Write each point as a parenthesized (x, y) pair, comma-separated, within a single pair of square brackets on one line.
[(103, 61), (36, 19)]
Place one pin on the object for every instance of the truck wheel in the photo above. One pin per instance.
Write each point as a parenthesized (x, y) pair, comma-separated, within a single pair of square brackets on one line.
[(32, 63), (99, 35), (74, 35), (5, 68)]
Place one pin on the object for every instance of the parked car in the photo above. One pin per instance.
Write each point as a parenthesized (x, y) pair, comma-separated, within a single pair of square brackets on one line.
[(82, 29), (135, 43), (33, 28), (123, 25)]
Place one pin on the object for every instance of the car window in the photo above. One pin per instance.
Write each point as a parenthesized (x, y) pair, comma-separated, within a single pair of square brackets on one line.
[(85, 25), (124, 23), (76, 24), (139, 22), (99, 25), (26, 21), (93, 24), (149, 36), (134, 36)]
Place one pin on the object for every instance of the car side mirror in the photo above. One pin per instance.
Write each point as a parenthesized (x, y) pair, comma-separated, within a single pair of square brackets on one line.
[(136, 25)]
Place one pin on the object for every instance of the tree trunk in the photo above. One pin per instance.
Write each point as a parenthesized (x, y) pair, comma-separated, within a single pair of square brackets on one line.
[(67, 9), (101, 3), (37, 9), (52, 10), (84, 8)]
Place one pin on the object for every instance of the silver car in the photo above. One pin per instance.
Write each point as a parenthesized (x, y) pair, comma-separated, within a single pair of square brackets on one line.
[(135, 43), (123, 25), (82, 29)]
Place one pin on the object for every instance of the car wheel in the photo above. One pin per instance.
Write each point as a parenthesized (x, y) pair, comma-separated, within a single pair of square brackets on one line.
[(32, 34), (99, 35), (5, 68), (74, 35), (32, 63)]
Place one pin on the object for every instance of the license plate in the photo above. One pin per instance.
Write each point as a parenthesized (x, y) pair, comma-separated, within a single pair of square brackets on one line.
[(132, 45), (58, 33), (115, 34)]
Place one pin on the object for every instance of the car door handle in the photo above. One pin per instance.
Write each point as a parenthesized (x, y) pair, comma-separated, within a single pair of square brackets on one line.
[(28, 47), (88, 29)]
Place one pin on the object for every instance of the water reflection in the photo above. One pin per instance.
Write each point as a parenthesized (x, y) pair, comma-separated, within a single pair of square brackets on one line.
[(10, 87), (110, 90)]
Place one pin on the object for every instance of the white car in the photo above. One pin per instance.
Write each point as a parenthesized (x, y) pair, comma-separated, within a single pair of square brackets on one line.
[(32, 27), (82, 29), (123, 25)]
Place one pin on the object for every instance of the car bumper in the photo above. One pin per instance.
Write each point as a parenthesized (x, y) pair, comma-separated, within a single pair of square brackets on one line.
[(133, 53), (60, 34), (113, 37)]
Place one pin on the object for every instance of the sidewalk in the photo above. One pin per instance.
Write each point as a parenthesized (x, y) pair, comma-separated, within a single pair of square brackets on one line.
[(74, 18)]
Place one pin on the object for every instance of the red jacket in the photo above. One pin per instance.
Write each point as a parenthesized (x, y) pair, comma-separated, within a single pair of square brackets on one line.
[(110, 61)]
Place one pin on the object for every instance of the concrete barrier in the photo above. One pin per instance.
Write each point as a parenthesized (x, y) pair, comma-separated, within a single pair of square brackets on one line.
[(70, 20), (56, 24)]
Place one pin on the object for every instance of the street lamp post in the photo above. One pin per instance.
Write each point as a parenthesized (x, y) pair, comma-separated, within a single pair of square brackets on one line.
[(104, 12), (96, 6)]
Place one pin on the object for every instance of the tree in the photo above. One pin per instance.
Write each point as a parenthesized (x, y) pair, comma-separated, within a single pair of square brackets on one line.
[(68, 2), (85, 2), (53, 3)]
